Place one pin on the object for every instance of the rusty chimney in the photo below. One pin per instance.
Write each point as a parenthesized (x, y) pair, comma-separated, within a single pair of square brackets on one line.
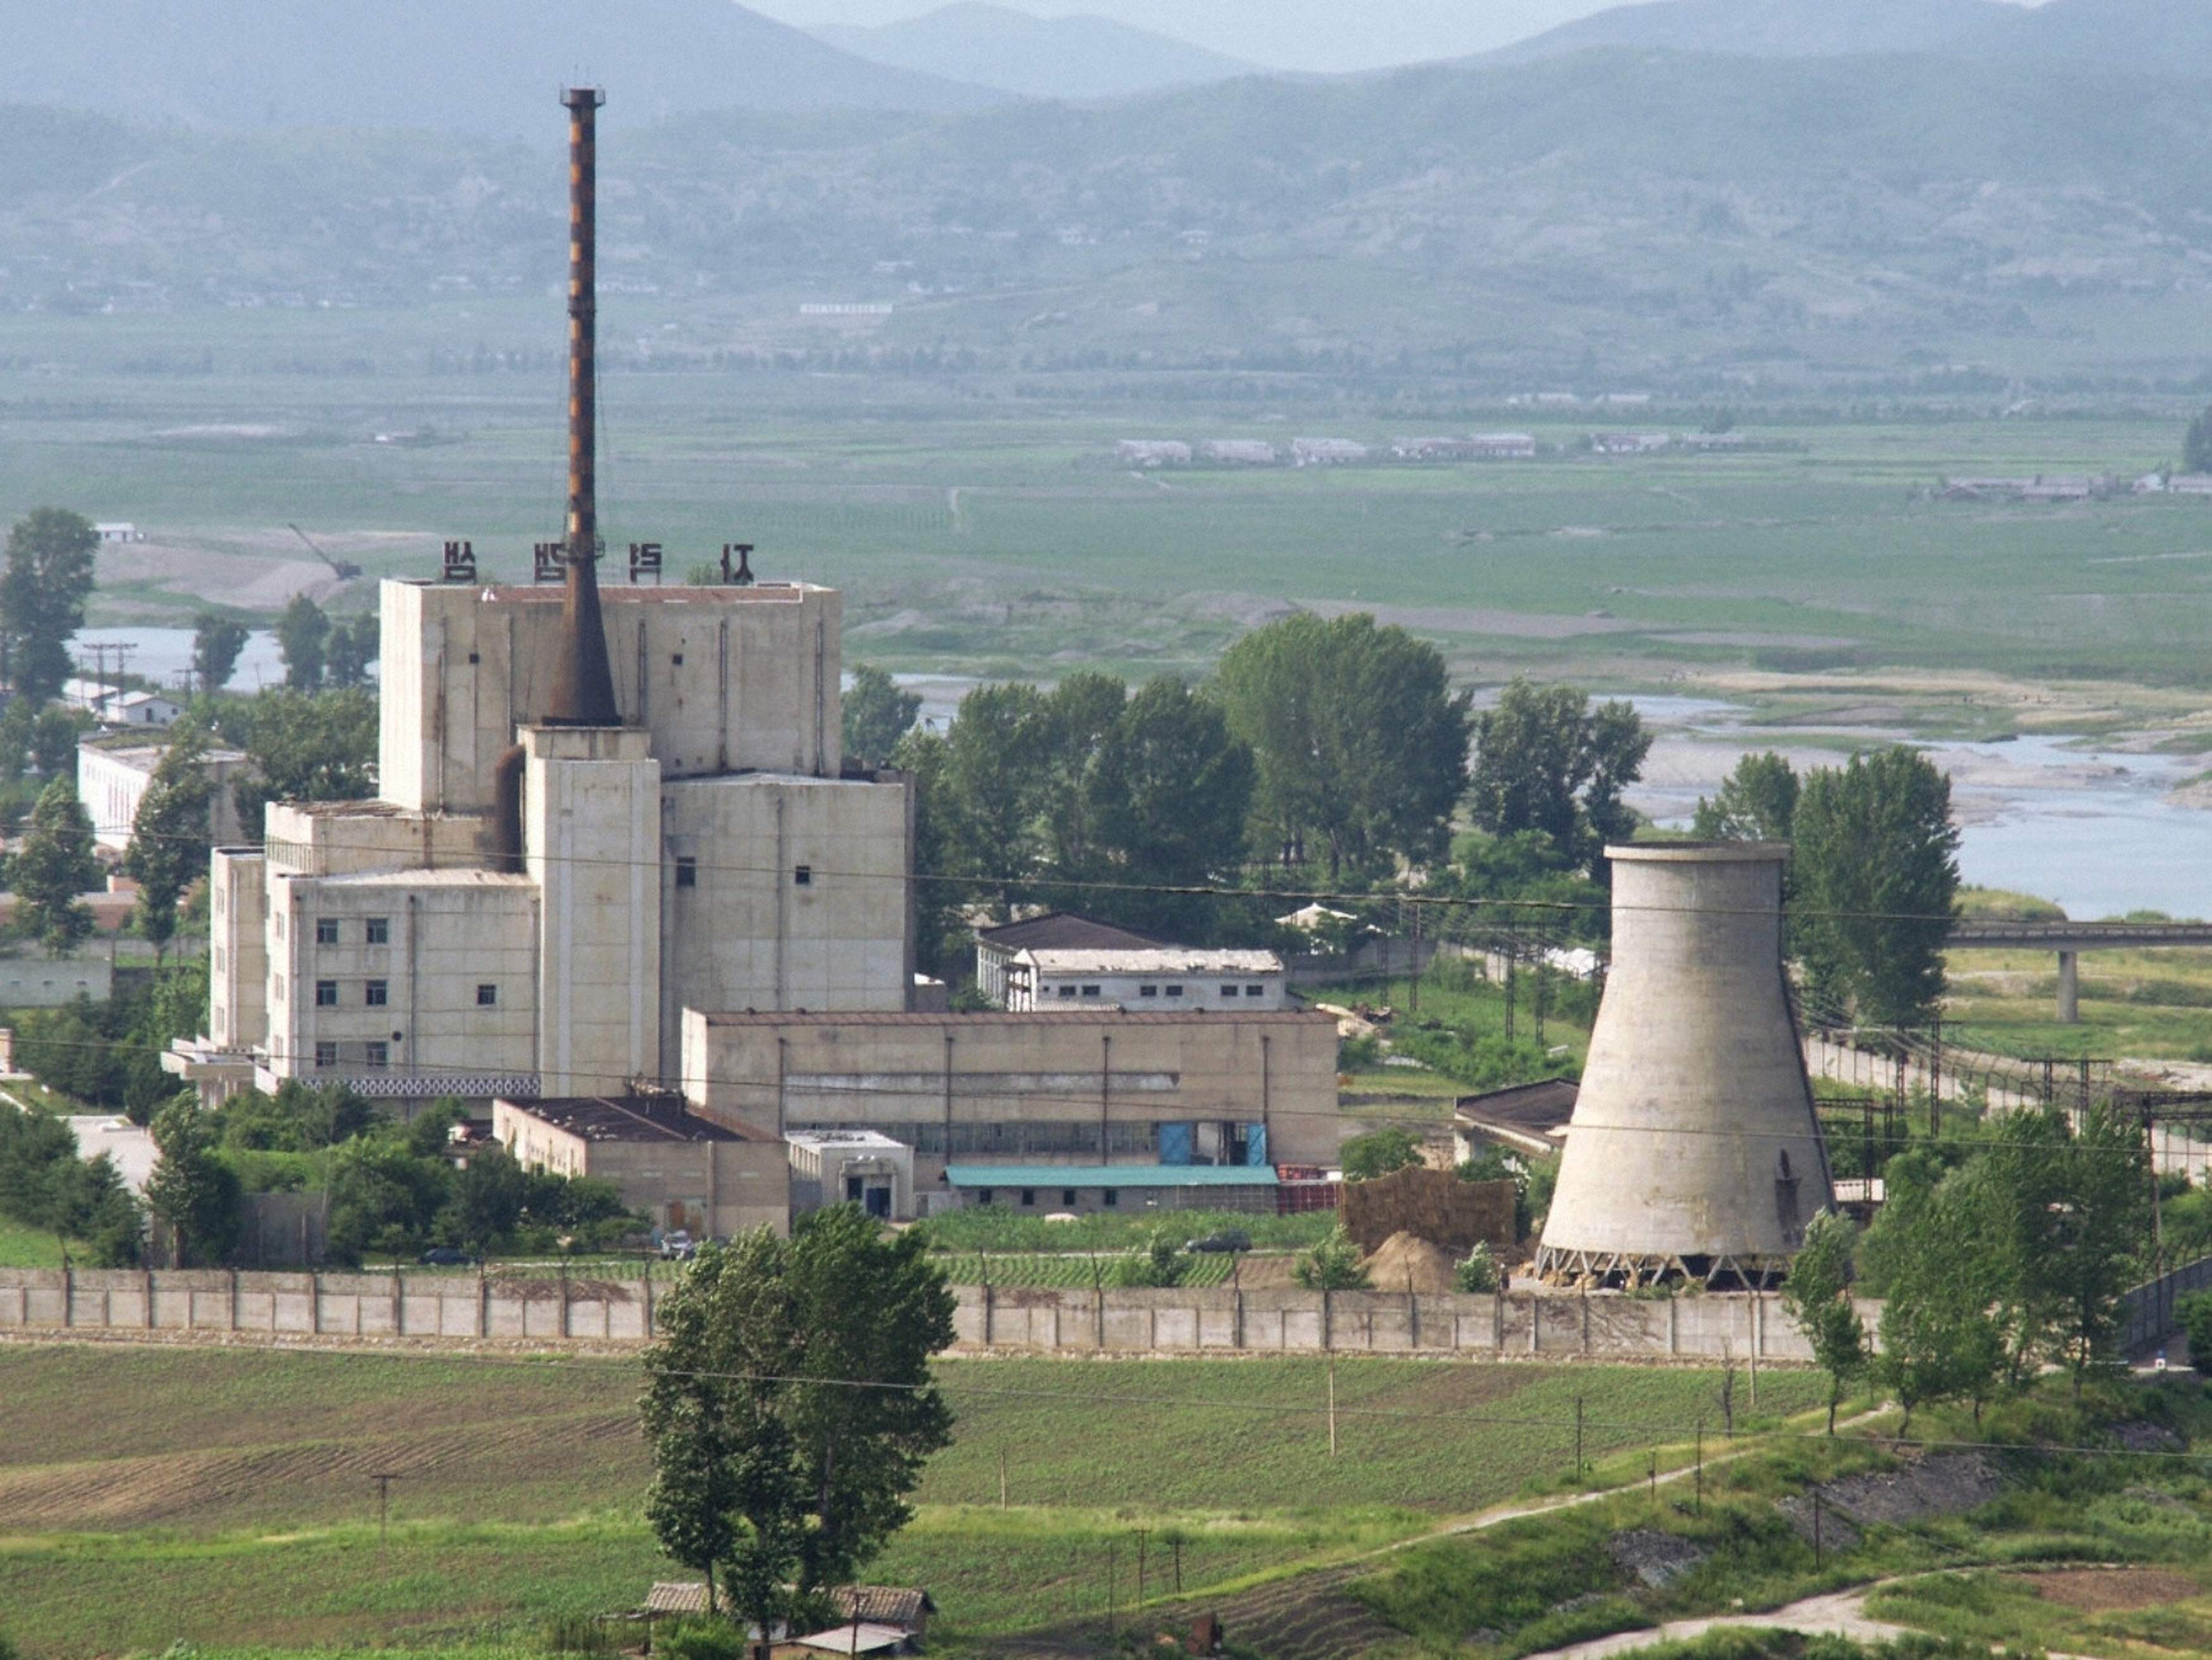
[(583, 681)]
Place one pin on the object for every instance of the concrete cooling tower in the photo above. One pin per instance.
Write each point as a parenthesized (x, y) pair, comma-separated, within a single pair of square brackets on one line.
[(1694, 1152)]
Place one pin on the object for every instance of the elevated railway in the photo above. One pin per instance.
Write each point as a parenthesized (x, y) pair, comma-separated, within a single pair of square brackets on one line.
[(2068, 940)]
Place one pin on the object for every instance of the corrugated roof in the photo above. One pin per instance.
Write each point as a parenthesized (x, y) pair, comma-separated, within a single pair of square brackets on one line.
[(1111, 1176), (1540, 1107), (865, 1638), (1063, 930)]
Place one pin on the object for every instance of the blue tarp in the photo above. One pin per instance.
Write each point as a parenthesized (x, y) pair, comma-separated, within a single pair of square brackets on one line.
[(1175, 1144), (1255, 1144)]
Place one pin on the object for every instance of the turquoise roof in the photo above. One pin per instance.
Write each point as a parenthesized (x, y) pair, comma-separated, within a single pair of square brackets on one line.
[(1110, 1175)]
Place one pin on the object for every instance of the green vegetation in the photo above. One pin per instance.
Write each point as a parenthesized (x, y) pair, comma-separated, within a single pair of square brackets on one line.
[(50, 1196), (1547, 764), (42, 599)]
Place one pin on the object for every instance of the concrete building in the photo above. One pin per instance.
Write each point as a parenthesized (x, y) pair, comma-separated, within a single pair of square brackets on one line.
[(858, 1167), (1242, 452), (597, 809), (113, 771), (709, 1179), (1249, 1090), (996, 948), (1087, 1190), (116, 706), (1155, 977), (1153, 452), (1694, 1151), (1326, 452)]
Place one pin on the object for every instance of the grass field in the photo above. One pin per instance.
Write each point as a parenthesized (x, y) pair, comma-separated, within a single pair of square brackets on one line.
[(22, 1247), (232, 1489), (2149, 1005)]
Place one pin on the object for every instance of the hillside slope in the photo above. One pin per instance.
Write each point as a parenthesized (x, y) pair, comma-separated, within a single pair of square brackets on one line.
[(483, 66), (1770, 29), (1077, 57)]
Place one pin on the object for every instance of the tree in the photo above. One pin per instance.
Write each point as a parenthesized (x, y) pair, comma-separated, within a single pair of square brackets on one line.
[(1378, 1152), (1166, 798), (768, 1463), (1757, 802), (217, 641), (1161, 1263), (876, 715), (2194, 1310), (1876, 882), (191, 1189), (2197, 445), (303, 635), (1818, 1296), (1545, 761), (1479, 1272), (1359, 741), (305, 747), (487, 1199), (2105, 1215), (941, 938), (55, 868), (54, 734), (1939, 1340), (1073, 723), (1333, 1264), (42, 594), (991, 782), (170, 837), (353, 646)]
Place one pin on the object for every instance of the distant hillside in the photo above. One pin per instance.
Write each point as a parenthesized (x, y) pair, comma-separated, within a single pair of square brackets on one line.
[(489, 66), (1078, 56), (1771, 28), (2177, 33), (1712, 220)]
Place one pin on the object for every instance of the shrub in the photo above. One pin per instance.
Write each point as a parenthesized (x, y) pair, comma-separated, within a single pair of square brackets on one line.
[(707, 1638), (1161, 1263), (1479, 1272), (2194, 1309), (1378, 1152), (1333, 1265)]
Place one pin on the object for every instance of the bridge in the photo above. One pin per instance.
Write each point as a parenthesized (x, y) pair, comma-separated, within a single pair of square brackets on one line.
[(2070, 939)]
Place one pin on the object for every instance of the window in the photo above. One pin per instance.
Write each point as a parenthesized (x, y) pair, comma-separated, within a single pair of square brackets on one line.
[(1067, 1196), (1229, 991), (983, 1195), (1067, 991), (378, 931), (378, 1056), (487, 996), (279, 989), (687, 871), (326, 930), (1256, 991), (326, 1055), (1110, 1197), (1029, 1195), (326, 993), (380, 993), (1148, 991), (279, 920), (222, 962), (803, 877), (1174, 991), (1090, 991)]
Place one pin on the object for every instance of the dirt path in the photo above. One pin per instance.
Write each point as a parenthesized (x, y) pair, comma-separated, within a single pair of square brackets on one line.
[(1839, 1613)]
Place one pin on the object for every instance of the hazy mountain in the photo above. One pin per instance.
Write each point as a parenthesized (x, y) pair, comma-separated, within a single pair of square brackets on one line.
[(2176, 34), (1078, 56), (1771, 28), (475, 65)]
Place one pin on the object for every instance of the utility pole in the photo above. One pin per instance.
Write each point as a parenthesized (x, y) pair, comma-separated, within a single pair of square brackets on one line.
[(1578, 1437), (1816, 1530), (1139, 1602), (1413, 975), (1701, 1466), (1002, 1478), (384, 1478), (1332, 1404), (1110, 1627)]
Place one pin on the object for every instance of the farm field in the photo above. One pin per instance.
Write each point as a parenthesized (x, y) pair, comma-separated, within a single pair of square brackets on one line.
[(240, 1505), (2153, 1006)]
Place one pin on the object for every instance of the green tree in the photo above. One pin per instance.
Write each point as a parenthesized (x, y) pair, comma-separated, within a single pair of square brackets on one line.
[(767, 1462), (1161, 1263), (2194, 1310), (42, 594), (384, 1197), (55, 732), (191, 1188), (1333, 1264), (1546, 760), (170, 837), (1818, 1296), (305, 747), (55, 868), (303, 634), (2197, 445), (217, 641), (1073, 723), (1378, 1152), (1757, 802), (1876, 884), (1359, 740), (941, 940), (1167, 798), (2106, 1217), (353, 646), (1939, 1339), (489, 1194), (1479, 1272), (992, 785), (876, 715)]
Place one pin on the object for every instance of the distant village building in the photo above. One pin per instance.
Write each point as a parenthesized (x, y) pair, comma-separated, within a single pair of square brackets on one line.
[(1154, 978), (1712, 441), (119, 531), (115, 705), (114, 772), (1629, 443), (2190, 484), (1153, 452), (1242, 452), (1480, 447), (2039, 488), (1326, 452)]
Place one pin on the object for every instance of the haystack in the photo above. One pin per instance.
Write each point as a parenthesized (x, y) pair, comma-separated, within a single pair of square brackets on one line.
[(1405, 1256)]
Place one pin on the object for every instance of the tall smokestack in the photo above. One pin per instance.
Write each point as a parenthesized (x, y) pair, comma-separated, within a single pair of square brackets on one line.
[(583, 682)]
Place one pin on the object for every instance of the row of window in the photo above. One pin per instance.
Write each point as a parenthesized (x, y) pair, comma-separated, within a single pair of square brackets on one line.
[(330, 931), (375, 1057), (1004, 1138), (1109, 1197), (376, 994), (1154, 991), (687, 873)]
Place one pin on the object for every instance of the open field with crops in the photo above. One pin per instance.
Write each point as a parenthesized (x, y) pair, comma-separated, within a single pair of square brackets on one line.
[(231, 1488)]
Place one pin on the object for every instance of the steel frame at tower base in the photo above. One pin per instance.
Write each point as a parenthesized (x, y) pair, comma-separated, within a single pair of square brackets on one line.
[(1598, 1270)]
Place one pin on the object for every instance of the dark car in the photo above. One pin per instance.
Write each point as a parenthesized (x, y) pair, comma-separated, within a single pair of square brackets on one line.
[(1230, 1239), (445, 1256)]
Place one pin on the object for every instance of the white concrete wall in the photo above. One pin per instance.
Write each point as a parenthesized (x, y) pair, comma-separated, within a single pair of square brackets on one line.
[(1171, 994), (722, 679), (592, 836), (238, 947)]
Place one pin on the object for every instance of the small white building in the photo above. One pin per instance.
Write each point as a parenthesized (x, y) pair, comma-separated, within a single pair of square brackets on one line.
[(1630, 443), (1242, 452), (119, 531), (858, 1167), (112, 775), (112, 706), (996, 948), (1326, 452), (1153, 452), (1162, 979)]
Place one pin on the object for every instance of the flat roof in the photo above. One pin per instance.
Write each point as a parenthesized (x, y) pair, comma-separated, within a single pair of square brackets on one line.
[(1099, 1018), (452, 877), (631, 1118), (1064, 930), (1541, 1107), (1150, 959), (1111, 1176)]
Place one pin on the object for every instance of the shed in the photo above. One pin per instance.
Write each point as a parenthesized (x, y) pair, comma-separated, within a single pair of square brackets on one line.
[(1057, 930), (864, 1637)]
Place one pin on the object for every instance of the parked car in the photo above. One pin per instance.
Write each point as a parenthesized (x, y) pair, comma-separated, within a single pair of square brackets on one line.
[(678, 1247), (1230, 1239), (445, 1256)]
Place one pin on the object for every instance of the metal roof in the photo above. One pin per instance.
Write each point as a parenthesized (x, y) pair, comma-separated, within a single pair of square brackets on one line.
[(1111, 1176), (1061, 930), (1149, 960)]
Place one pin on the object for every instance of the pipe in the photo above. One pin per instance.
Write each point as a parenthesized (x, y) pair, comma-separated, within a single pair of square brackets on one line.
[(583, 679), (507, 811)]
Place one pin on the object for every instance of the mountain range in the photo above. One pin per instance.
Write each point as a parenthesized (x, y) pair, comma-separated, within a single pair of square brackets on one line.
[(1075, 56)]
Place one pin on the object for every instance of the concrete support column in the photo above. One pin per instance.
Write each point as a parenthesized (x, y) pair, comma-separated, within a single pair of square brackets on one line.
[(2070, 989)]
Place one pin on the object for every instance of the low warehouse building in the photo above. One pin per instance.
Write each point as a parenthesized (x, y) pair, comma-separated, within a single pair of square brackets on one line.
[(1083, 1188), (709, 1178), (854, 1167)]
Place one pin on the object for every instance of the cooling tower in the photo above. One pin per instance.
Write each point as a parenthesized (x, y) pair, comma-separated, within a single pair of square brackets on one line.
[(1694, 1151)]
